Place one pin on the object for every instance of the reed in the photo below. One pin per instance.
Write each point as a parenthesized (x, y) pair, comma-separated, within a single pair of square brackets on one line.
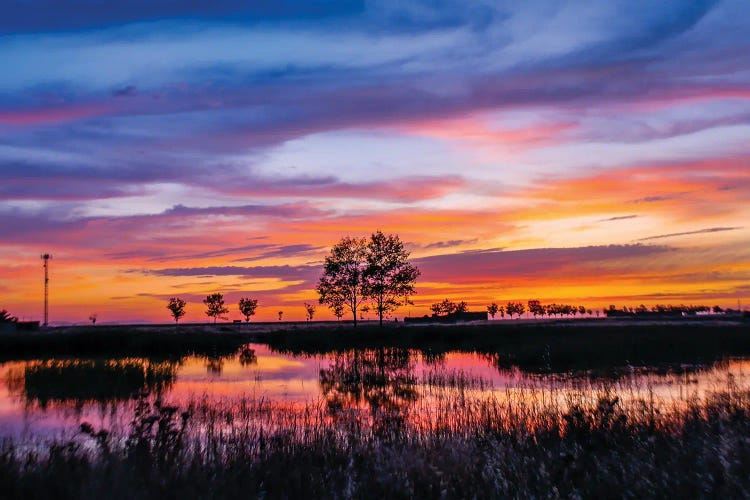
[(583, 439)]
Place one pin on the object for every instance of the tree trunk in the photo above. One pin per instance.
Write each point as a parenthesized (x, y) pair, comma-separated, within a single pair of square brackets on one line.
[(381, 301)]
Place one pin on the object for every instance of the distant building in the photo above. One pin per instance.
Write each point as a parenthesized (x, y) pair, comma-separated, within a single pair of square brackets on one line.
[(460, 317)]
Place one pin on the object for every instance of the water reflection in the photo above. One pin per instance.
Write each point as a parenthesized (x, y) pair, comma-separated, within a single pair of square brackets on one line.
[(549, 370), (385, 388), (214, 366), (383, 379), (75, 382), (79, 381), (247, 356)]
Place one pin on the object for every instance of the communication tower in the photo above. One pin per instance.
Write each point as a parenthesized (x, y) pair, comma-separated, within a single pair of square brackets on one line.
[(46, 257)]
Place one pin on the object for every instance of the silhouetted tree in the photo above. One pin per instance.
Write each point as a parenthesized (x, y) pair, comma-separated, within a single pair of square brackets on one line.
[(5, 317), (549, 309), (92, 318), (215, 306), (343, 280), (444, 307), (309, 311), (515, 308), (389, 277), (247, 307), (581, 310), (536, 308), (281, 313), (461, 307), (436, 309), (338, 311), (364, 311), (177, 307), (492, 309), (449, 307)]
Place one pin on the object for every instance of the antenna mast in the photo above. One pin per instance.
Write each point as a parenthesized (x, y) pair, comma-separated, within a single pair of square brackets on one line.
[(46, 257)]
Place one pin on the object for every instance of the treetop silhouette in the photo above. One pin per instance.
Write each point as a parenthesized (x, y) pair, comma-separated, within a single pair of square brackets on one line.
[(359, 270)]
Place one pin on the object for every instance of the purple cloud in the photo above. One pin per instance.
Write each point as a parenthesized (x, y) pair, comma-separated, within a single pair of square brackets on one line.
[(290, 273), (687, 233), (477, 266), (450, 243), (619, 217)]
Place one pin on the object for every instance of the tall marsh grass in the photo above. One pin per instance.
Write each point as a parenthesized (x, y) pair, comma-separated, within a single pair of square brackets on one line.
[(457, 442)]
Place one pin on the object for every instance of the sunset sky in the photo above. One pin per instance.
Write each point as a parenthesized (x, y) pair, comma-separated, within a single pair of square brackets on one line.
[(588, 152)]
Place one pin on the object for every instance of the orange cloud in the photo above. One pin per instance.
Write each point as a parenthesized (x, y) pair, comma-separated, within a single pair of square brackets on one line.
[(108, 264), (687, 190)]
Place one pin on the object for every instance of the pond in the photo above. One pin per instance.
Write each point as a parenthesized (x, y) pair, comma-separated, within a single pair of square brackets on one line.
[(52, 397)]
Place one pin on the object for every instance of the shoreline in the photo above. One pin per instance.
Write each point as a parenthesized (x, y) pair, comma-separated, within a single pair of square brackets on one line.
[(575, 344)]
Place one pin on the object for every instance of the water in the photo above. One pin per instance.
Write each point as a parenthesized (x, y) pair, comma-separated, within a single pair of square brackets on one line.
[(52, 397)]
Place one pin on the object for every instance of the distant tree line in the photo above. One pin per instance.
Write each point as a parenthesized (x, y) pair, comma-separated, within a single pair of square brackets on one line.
[(510, 309), (215, 307), (666, 309), (447, 307), (536, 308)]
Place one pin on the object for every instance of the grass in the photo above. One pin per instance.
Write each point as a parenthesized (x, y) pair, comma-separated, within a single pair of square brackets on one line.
[(586, 443)]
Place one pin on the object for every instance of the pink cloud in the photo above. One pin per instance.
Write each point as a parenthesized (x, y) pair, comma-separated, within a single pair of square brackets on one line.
[(52, 115), (477, 130)]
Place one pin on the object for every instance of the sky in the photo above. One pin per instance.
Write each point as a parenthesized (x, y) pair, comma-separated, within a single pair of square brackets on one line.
[(592, 153)]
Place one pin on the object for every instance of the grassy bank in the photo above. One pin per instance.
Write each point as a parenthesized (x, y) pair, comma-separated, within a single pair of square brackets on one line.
[(564, 346), (543, 346), (160, 342), (590, 446)]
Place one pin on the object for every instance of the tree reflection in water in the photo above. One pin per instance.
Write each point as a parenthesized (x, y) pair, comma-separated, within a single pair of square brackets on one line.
[(247, 356), (79, 381), (382, 379), (214, 365)]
